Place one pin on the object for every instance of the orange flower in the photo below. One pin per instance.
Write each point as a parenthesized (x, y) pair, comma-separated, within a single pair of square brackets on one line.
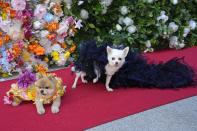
[(35, 48), (41, 69), (51, 37), (12, 13), (53, 26), (1, 41), (6, 38), (73, 48), (39, 50), (63, 45), (16, 50)]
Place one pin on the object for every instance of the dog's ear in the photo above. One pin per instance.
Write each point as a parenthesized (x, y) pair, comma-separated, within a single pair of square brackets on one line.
[(109, 50), (39, 76), (51, 77), (125, 51)]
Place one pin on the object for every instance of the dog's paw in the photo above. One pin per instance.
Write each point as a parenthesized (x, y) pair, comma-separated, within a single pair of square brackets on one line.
[(41, 111), (15, 104), (55, 109), (109, 89), (73, 86), (84, 81), (95, 80)]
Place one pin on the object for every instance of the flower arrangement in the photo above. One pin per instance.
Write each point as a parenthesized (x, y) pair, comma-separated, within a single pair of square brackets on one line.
[(35, 35), (146, 25)]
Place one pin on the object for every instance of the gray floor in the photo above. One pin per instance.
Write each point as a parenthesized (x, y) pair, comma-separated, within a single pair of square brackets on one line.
[(177, 116)]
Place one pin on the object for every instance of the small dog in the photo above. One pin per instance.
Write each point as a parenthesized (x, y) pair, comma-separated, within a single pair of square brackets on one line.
[(45, 90), (116, 59)]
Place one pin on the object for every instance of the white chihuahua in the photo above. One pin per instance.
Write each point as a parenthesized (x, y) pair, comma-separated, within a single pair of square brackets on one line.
[(116, 59)]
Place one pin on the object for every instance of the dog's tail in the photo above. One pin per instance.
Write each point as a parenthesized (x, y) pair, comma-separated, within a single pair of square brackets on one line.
[(174, 73)]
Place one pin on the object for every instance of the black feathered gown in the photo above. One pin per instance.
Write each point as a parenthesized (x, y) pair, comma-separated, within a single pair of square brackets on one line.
[(136, 71)]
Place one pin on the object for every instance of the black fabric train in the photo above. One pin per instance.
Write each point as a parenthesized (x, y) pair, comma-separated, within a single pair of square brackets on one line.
[(136, 71)]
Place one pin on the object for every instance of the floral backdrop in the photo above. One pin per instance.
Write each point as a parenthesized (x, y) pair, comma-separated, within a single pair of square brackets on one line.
[(35, 35), (42, 34), (142, 24)]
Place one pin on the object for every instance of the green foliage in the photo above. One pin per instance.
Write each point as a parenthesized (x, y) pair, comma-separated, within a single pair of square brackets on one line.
[(144, 13)]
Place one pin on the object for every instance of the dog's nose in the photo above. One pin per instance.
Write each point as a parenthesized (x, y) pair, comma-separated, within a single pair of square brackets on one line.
[(116, 63), (41, 91)]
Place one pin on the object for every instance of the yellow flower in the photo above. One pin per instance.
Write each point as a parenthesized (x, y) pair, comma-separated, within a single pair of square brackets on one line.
[(67, 55), (55, 55)]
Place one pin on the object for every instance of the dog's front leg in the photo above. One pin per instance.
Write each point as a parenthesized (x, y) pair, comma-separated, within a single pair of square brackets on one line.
[(78, 74), (56, 105), (39, 107), (108, 79)]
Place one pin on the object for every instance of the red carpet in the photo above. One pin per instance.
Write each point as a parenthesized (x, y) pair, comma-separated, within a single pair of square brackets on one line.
[(90, 105)]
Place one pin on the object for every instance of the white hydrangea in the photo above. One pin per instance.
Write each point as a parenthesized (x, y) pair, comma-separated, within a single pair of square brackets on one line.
[(106, 2), (68, 3), (174, 2), (118, 27), (181, 44), (173, 42), (120, 20), (186, 31), (127, 21), (172, 26), (80, 2), (148, 47), (131, 29), (148, 44), (124, 10), (192, 24), (150, 1), (84, 14), (162, 17), (104, 11)]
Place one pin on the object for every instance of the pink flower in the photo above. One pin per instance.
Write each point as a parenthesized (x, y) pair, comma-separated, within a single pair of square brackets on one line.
[(40, 11), (70, 20), (18, 4), (6, 100)]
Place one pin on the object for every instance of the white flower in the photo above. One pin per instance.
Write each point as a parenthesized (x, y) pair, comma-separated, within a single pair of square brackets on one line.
[(56, 47), (124, 10), (120, 20), (68, 3), (118, 27), (80, 2), (186, 31), (104, 11), (150, 1), (192, 24), (174, 2), (131, 29), (127, 21), (181, 45), (44, 33), (106, 2), (78, 24), (174, 27), (162, 17), (84, 14), (173, 42), (61, 60), (37, 25), (148, 44)]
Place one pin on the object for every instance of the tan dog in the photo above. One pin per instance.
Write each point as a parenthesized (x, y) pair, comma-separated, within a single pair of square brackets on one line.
[(47, 89)]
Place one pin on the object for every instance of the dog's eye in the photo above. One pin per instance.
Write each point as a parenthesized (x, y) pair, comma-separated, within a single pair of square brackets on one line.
[(46, 87), (119, 58), (113, 58)]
